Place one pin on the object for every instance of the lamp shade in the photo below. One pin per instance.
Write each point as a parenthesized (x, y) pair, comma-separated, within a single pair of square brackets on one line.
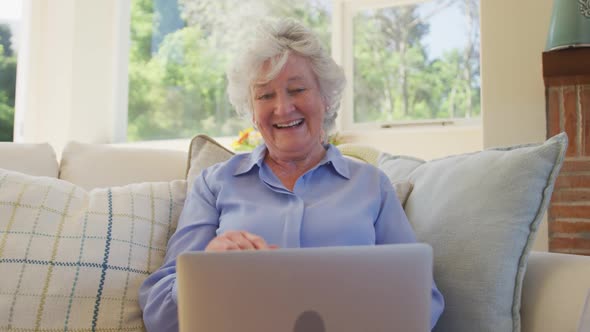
[(570, 24)]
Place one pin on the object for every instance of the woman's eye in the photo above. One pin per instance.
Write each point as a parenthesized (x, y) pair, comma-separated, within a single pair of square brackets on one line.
[(296, 91), (264, 96)]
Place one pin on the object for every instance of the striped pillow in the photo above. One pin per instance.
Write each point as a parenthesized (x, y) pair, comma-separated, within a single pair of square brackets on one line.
[(72, 259)]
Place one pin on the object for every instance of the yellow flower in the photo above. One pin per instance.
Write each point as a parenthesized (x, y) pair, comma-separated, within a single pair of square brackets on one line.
[(244, 135), (247, 140)]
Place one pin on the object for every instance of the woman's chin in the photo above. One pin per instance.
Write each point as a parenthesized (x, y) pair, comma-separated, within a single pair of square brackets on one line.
[(294, 149)]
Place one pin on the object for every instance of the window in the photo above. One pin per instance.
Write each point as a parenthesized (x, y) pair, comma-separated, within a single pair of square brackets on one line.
[(10, 15), (411, 62), (406, 61), (178, 57)]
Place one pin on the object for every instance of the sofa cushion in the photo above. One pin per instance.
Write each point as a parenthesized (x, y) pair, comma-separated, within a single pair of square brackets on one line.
[(29, 158), (556, 288), (204, 151), (72, 259), (102, 165), (480, 212)]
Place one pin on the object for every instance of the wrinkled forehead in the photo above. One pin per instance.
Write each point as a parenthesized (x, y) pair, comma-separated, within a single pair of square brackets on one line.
[(271, 68)]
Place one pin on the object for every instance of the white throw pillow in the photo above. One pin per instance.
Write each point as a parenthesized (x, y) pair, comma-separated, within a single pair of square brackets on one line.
[(72, 259)]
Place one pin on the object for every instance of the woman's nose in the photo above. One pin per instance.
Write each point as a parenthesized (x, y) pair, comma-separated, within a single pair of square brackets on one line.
[(284, 104)]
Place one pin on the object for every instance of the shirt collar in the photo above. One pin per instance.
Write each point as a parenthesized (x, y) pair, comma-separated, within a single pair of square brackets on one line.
[(333, 157), (256, 158)]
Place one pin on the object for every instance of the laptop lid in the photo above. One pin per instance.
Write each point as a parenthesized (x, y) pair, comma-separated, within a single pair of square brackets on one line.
[(329, 289)]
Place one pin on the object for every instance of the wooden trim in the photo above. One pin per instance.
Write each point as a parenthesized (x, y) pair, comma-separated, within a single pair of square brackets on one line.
[(566, 80), (569, 66)]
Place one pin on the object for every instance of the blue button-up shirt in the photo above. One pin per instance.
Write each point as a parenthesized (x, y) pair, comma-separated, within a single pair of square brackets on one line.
[(338, 202)]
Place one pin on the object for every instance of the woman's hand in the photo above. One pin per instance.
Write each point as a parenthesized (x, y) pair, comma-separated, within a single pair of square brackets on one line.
[(238, 240)]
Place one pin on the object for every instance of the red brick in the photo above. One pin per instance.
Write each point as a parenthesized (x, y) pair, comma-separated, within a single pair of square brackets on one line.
[(571, 195), (569, 227), (570, 124), (569, 211), (585, 105), (569, 180), (568, 243), (553, 106), (573, 165), (585, 97)]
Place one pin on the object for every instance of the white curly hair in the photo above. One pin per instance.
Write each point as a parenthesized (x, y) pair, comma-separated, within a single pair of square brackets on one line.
[(274, 40)]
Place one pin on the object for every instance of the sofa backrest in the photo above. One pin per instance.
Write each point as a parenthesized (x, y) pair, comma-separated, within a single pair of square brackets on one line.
[(103, 165), (95, 165), (29, 158)]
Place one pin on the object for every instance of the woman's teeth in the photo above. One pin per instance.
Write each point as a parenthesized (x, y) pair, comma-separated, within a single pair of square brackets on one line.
[(289, 125)]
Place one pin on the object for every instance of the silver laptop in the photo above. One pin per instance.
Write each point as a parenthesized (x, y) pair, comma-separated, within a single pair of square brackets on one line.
[(330, 289)]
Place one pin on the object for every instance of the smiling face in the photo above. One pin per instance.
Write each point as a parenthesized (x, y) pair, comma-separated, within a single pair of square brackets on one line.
[(289, 110)]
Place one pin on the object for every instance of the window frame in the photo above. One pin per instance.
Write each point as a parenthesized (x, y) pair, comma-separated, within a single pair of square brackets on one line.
[(342, 52), (20, 58), (342, 45)]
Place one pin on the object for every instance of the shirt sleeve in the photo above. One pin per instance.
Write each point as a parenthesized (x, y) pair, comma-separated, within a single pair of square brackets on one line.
[(392, 226), (197, 225)]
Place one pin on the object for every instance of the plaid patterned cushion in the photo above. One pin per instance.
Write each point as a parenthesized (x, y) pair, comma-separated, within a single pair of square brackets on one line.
[(74, 260)]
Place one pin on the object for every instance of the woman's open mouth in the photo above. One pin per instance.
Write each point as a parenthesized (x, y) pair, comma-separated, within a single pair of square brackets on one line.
[(292, 124)]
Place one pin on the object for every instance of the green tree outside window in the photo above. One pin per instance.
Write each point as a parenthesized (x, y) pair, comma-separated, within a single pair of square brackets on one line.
[(181, 48), (7, 84)]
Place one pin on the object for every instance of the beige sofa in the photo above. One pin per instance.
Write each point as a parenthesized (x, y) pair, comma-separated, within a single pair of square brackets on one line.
[(555, 285)]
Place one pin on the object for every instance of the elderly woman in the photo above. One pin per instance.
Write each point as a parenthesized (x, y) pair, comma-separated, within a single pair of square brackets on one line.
[(293, 191)]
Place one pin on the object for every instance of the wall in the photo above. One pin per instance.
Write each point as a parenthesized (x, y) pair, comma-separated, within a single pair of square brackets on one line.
[(513, 97), (513, 36), (426, 143)]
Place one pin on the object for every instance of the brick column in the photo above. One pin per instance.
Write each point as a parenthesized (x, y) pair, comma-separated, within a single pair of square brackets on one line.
[(567, 91)]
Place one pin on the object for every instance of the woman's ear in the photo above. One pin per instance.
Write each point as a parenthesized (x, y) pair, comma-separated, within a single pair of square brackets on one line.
[(325, 104), (254, 123)]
